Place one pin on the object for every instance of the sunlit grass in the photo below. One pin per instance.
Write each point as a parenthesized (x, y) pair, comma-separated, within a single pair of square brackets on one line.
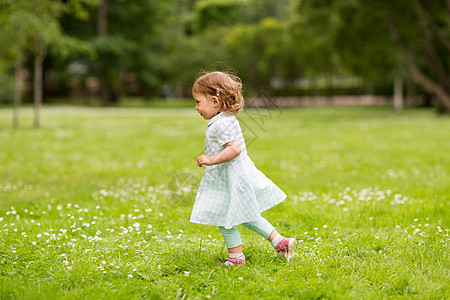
[(89, 207)]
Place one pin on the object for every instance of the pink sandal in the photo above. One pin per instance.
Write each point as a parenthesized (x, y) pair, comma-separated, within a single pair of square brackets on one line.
[(234, 261), (286, 248)]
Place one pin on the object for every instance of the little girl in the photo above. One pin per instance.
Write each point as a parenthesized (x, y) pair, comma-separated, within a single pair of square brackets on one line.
[(233, 191)]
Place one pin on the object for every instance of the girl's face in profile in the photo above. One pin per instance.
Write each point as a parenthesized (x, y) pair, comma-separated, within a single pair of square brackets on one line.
[(207, 108)]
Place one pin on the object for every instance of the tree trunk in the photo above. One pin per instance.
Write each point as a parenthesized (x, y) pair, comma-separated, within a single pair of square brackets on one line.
[(40, 53), (429, 85), (38, 86), (398, 94), (102, 18), (432, 23), (107, 93), (431, 53), (17, 90), (422, 79)]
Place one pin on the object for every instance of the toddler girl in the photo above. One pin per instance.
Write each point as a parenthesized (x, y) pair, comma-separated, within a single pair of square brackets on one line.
[(233, 191)]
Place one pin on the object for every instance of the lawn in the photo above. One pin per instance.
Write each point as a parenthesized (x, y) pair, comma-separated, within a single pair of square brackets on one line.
[(96, 204)]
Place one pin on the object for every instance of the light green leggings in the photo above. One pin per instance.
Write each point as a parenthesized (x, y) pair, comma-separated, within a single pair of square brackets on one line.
[(232, 236)]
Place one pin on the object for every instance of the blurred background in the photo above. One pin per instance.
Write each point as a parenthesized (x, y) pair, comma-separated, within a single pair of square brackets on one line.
[(300, 52)]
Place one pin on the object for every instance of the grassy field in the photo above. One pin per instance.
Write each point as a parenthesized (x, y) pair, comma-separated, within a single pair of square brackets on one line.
[(96, 204)]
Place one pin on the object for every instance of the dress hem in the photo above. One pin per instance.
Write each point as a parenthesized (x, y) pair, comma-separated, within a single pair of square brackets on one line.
[(245, 221)]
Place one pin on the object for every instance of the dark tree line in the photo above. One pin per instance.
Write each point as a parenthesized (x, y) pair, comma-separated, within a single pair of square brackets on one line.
[(137, 47)]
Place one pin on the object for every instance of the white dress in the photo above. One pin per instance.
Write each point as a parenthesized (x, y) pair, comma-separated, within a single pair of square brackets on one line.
[(234, 192)]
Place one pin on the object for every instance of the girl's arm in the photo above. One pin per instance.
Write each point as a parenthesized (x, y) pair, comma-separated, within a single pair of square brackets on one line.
[(231, 151)]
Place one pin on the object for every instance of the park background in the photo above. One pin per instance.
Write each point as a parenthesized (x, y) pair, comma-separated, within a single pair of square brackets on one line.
[(346, 110), (107, 53)]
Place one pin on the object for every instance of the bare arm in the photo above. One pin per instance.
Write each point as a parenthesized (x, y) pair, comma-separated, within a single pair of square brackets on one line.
[(231, 151)]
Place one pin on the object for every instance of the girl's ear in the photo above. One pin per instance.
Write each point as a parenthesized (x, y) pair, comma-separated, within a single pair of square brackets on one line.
[(216, 101)]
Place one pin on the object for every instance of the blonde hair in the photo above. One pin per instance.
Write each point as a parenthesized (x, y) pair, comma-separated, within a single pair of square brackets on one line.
[(226, 87)]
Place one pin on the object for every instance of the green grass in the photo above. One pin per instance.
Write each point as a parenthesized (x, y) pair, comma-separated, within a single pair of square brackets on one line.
[(89, 208)]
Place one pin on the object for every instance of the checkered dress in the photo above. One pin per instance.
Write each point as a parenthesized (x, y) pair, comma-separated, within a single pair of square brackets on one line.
[(234, 192)]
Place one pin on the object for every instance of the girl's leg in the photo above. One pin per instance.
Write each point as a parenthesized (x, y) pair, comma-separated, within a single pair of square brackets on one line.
[(284, 246), (233, 242), (232, 237), (272, 235), (263, 227)]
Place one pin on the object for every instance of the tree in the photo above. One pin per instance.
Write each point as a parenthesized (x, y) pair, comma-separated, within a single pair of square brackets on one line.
[(16, 27), (30, 28), (257, 51), (128, 37), (390, 38), (215, 13), (428, 61), (246, 37)]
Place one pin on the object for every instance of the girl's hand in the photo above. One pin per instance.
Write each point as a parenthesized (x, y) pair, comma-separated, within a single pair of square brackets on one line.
[(231, 151), (204, 160)]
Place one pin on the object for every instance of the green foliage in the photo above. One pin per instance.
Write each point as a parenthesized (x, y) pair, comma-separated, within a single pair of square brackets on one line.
[(137, 37), (167, 43), (205, 51), (213, 13), (25, 21), (312, 28), (364, 33), (256, 51), (368, 201), (80, 9), (30, 27)]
